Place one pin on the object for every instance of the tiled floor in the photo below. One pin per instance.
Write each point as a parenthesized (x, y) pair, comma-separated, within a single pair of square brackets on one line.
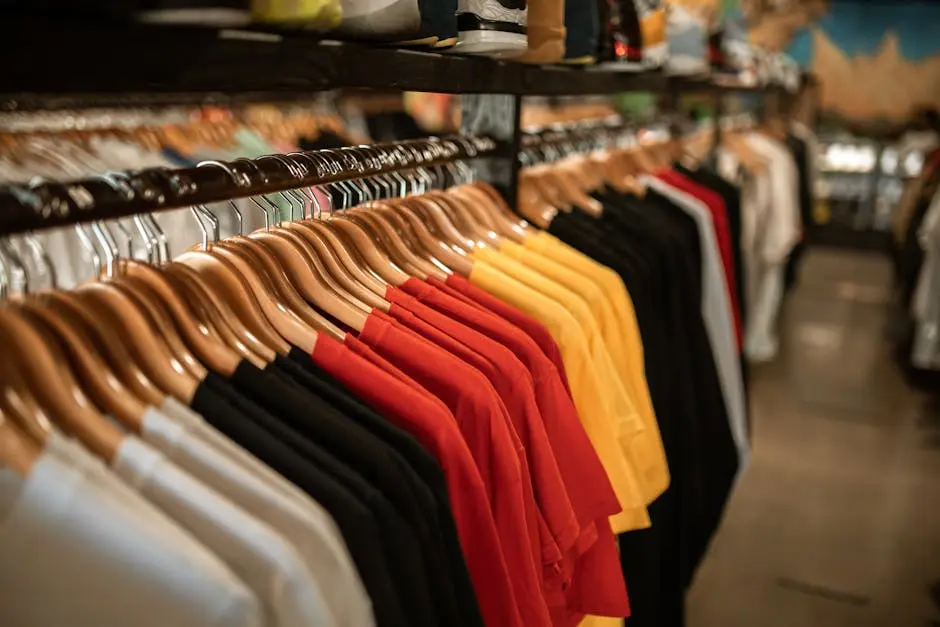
[(836, 522)]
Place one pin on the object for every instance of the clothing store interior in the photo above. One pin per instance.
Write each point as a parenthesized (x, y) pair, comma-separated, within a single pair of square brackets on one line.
[(469, 313)]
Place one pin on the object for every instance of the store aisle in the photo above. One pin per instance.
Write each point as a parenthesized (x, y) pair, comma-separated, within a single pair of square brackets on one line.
[(837, 521)]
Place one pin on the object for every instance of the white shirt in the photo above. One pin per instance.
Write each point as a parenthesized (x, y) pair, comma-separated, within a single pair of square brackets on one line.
[(74, 553), (925, 306), (309, 528), (775, 229), (267, 563), (716, 313)]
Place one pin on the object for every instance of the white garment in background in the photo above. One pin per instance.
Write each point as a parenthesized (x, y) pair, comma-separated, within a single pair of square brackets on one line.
[(312, 532), (776, 230), (72, 552), (716, 313), (261, 557), (925, 306)]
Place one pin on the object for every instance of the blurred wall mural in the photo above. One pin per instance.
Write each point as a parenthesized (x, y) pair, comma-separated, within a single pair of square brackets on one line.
[(877, 60)]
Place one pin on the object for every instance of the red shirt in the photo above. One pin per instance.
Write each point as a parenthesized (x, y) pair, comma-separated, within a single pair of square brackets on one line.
[(437, 431), (539, 533), (591, 494), (357, 346), (487, 432), (532, 327), (716, 206), (515, 386)]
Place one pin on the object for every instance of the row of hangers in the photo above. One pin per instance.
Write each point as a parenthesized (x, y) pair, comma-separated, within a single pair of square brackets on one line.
[(145, 330), (564, 163)]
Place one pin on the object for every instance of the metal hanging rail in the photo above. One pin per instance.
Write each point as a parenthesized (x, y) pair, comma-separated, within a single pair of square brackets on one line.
[(45, 205)]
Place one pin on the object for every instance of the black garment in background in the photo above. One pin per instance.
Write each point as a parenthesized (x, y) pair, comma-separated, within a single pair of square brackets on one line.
[(397, 125), (654, 246), (731, 196), (358, 525), (800, 154), (306, 373), (361, 463)]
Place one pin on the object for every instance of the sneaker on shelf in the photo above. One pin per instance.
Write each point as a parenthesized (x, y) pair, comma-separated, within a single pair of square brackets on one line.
[(308, 14), (652, 14), (216, 13), (494, 28), (687, 34), (382, 20), (545, 30), (582, 24), (621, 46)]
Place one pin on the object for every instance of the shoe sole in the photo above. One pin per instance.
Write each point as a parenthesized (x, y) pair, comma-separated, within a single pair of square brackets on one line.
[(491, 43)]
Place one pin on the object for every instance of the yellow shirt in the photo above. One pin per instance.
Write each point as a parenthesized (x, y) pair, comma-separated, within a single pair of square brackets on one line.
[(600, 423), (584, 275), (644, 453)]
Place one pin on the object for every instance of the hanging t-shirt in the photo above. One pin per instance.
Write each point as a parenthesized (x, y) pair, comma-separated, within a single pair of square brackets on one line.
[(532, 327), (104, 561), (358, 524), (717, 315), (516, 388), (437, 430), (479, 414), (592, 402), (592, 496), (262, 558), (301, 369), (620, 331), (310, 530), (635, 441)]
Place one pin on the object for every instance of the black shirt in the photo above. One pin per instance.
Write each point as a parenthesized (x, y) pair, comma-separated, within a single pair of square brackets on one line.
[(655, 248), (356, 522), (427, 473), (352, 457)]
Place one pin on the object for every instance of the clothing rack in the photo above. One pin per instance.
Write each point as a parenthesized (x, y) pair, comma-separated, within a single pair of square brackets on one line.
[(46, 204), (156, 66)]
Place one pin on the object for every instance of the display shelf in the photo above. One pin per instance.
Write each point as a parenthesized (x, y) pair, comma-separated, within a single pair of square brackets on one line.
[(70, 63)]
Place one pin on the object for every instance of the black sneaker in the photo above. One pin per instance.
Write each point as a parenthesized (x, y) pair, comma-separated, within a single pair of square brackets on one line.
[(582, 21)]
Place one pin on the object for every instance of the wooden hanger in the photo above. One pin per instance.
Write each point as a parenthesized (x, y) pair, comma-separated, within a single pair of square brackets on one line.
[(360, 243), (350, 275), (394, 244), (82, 317), (476, 225), (532, 205), (117, 310), (269, 267), (259, 296), (154, 313), (347, 254), (52, 385), (320, 258), (571, 189), (438, 221), (19, 404), (305, 272), (231, 290), (318, 255), (202, 337), (421, 239), (98, 380), (484, 199), (18, 451), (173, 318)]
